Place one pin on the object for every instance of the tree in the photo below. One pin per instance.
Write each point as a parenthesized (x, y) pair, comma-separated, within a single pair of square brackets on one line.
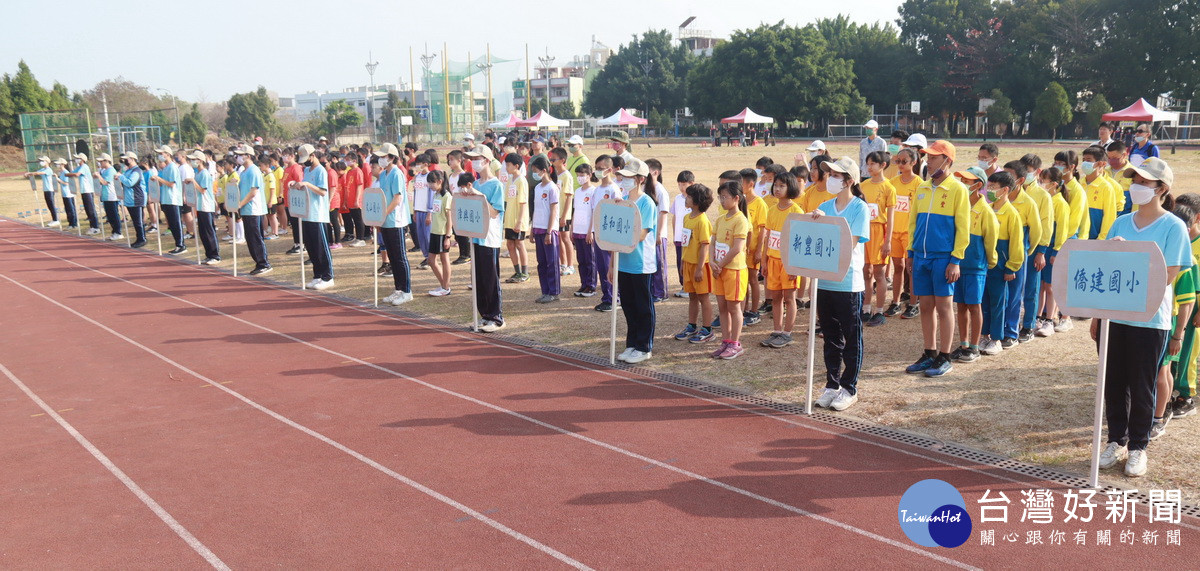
[(10, 131), (625, 82), (1053, 108), (1095, 110), (27, 94), (882, 66), (782, 71), (393, 109), (251, 114), (564, 110), (192, 127), (338, 116), (124, 97), (1000, 113)]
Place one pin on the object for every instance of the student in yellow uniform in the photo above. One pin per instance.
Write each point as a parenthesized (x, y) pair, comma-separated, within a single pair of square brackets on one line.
[(1102, 193), (1048, 319), (816, 195), (781, 286), (1031, 216), (728, 255), (880, 197), (697, 275), (756, 211), (1078, 221), (516, 218), (1119, 171), (979, 258), (908, 161), (1010, 258)]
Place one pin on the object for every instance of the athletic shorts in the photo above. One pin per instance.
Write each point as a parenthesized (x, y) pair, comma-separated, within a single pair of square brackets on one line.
[(929, 276), (969, 289), (704, 286), (874, 246), (731, 285), (899, 244), (437, 244), (777, 278), (1048, 270), (510, 234)]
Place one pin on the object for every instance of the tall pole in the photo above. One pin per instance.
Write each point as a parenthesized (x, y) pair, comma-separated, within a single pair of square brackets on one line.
[(528, 82), (446, 90), (426, 61), (470, 96), (175, 103), (107, 125), (371, 65), (491, 111), (546, 62)]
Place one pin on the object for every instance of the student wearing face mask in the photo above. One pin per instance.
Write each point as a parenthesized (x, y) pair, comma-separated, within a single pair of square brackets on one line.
[(987, 157), (186, 172), (1001, 281), (105, 177), (45, 175), (1117, 161), (1143, 148), (606, 190), (1103, 196), (133, 196), (487, 249), (392, 182), (64, 188), (206, 209), (871, 143), (1037, 263), (81, 175), (635, 268), (292, 173), (1132, 367), (1021, 199), (172, 196), (252, 207)]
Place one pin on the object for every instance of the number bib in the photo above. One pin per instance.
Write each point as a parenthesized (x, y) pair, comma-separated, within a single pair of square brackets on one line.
[(437, 206), (874, 209), (686, 237), (902, 203), (773, 240), (722, 251)]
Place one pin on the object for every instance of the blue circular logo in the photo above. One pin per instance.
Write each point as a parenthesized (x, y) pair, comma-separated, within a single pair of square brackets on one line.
[(932, 513)]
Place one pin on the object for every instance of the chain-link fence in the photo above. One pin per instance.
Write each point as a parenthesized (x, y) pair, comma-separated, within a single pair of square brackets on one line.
[(66, 132)]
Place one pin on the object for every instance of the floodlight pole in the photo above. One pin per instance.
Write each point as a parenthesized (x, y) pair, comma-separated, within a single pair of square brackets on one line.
[(426, 62), (371, 65), (547, 61)]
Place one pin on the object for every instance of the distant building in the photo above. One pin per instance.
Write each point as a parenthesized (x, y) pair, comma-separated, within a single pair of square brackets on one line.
[(699, 42), (304, 105), (566, 83)]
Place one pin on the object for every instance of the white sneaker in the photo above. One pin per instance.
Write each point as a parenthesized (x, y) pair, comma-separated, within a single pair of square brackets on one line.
[(313, 283), (827, 397), (357, 243), (53, 223), (439, 292), (1111, 455), (115, 237), (625, 354), (323, 285), (1044, 329), (240, 242), (490, 326), (401, 299), (990, 347), (1064, 324), (843, 400), (227, 239), (570, 270), (1136, 465), (391, 297), (636, 356), (93, 231), (682, 293)]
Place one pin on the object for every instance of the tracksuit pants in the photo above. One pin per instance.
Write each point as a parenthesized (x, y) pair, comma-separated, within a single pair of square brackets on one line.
[(393, 243), (839, 313), (586, 257), (1131, 379), (638, 307), (547, 262)]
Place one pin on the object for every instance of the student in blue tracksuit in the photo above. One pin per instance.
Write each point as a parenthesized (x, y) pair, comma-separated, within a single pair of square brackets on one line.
[(1037, 261), (253, 206), (68, 197), (206, 208), (106, 179), (392, 184), (980, 257), (1010, 259), (171, 189), (316, 243), (46, 176), (133, 196), (81, 175)]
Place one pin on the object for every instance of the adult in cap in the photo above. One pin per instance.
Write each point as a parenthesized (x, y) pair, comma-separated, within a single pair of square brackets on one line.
[(293, 172), (618, 141), (45, 175), (871, 143), (635, 269), (171, 187), (105, 176), (393, 183), (64, 189), (468, 141), (486, 254), (1130, 395), (133, 196), (939, 226), (206, 208), (575, 156), (918, 142), (252, 206), (81, 174)]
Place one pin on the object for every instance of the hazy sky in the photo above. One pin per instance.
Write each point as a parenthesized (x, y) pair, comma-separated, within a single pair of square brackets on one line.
[(207, 51)]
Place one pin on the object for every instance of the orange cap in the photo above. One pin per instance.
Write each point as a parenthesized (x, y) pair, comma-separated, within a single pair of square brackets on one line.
[(940, 147)]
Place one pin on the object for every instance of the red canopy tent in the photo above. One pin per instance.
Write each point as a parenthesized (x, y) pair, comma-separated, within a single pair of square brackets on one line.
[(622, 118), (507, 123), (748, 116), (1141, 110), (543, 119)]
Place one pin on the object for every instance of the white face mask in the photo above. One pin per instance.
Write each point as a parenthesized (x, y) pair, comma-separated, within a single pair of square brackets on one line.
[(1141, 194), (384, 162), (1087, 167), (477, 165), (627, 184), (985, 164), (581, 179), (240, 159), (834, 184), (1140, 139), (195, 164), (537, 176)]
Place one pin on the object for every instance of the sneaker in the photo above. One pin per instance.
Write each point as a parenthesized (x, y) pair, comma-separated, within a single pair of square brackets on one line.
[(876, 320), (314, 282), (750, 318), (424, 265), (322, 285), (1045, 328), (586, 292), (1136, 464), (1025, 336), (1111, 455), (460, 261), (240, 242), (93, 231), (969, 355), (910, 312), (115, 237), (779, 341), (957, 352), (843, 400), (53, 224), (225, 239), (154, 230), (504, 254), (515, 278), (404, 297), (1063, 324), (388, 298), (636, 356), (178, 250), (624, 354), (1159, 426), (212, 261), (261, 270), (682, 294), (719, 350), (603, 307), (716, 322), (941, 366), (658, 299), (273, 237), (490, 326), (732, 351), (905, 297), (893, 310), (1183, 407), (292, 250), (704, 335), (990, 347), (547, 298), (687, 332), (439, 292), (414, 249), (827, 397), (765, 307), (357, 243), (335, 246), (922, 364), (138, 244), (570, 271), (1008, 343), (767, 342), (524, 277), (385, 269)]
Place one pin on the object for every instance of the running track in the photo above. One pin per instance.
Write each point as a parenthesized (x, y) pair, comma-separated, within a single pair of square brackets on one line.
[(162, 415)]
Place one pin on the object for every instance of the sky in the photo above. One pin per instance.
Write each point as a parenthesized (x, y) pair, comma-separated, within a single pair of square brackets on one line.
[(208, 51)]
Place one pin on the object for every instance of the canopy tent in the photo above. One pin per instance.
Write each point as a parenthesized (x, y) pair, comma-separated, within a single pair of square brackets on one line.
[(1141, 111), (748, 116), (507, 123), (621, 118), (543, 119)]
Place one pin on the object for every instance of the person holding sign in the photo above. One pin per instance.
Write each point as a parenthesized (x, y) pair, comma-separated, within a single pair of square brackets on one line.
[(635, 269), (781, 286), (1131, 372), (64, 189), (486, 254), (82, 176), (728, 255), (316, 184), (206, 209), (1001, 280), (441, 234), (133, 196), (979, 258), (544, 230), (172, 196), (106, 177), (839, 304), (392, 183), (695, 236), (252, 206), (46, 176)]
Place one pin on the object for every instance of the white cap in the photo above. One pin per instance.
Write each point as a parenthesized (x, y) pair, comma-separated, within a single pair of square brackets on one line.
[(81, 156), (817, 146), (387, 149), (304, 151), (872, 124), (244, 150), (469, 137), (575, 140), (916, 140)]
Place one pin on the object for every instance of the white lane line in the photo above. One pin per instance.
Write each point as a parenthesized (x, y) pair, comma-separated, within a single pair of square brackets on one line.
[(396, 475), (137, 490), (484, 404)]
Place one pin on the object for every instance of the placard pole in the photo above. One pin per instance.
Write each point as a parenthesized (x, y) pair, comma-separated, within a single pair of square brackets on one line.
[(474, 299), (375, 267), (233, 243), (196, 227), (158, 234), (1099, 409), (812, 343), (103, 220), (41, 217), (300, 234), (78, 219), (612, 336), (126, 226)]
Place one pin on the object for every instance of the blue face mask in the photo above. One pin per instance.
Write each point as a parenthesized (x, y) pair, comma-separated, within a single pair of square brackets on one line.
[(893, 149), (1029, 178), (537, 176)]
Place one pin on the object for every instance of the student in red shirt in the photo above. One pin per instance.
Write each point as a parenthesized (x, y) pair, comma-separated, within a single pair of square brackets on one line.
[(292, 172), (352, 187), (333, 231)]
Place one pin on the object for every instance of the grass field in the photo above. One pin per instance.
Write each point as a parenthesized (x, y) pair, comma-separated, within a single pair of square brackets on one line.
[(1033, 403)]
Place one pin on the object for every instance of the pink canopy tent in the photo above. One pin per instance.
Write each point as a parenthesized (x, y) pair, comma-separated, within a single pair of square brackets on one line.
[(543, 119), (507, 123), (622, 118), (1141, 110), (748, 116)]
